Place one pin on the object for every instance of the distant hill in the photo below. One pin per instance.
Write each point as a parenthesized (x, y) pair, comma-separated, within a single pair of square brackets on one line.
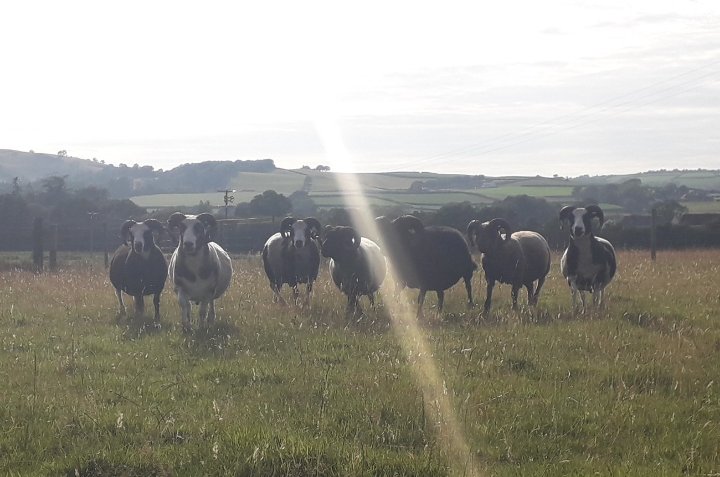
[(188, 184), (30, 166)]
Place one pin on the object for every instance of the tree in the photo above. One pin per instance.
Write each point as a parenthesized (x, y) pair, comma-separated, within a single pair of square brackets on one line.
[(62, 153), (669, 210), (302, 204), (322, 168), (270, 203)]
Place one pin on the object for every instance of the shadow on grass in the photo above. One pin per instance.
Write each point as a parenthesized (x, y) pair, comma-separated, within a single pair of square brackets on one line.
[(138, 326)]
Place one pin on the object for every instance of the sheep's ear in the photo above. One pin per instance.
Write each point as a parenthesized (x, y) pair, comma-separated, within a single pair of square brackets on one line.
[(125, 230), (357, 238), (175, 220)]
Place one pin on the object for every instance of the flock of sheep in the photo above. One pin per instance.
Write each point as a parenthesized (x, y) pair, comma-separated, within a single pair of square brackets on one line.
[(432, 258)]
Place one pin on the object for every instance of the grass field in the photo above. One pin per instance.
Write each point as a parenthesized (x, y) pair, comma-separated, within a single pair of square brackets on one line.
[(629, 390)]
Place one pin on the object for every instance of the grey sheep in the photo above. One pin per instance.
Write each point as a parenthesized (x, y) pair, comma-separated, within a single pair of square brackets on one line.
[(292, 256), (138, 266)]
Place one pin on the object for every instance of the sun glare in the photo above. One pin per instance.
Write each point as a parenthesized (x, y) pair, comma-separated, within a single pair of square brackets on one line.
[(438, 404)]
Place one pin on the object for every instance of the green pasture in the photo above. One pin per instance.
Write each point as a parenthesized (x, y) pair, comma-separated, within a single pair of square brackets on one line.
[(631, 389)]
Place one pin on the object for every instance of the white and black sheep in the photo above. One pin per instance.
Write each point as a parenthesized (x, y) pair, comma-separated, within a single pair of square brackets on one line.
[(138, 267), (519, 258), (428, 258), (357, 265), (199, 268), (292, 256), (588, 263)]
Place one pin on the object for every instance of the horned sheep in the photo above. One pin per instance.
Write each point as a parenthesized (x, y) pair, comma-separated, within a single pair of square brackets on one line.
[(515, 258)]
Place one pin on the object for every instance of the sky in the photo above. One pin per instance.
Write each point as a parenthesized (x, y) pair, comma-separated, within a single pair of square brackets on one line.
[(516, 87)]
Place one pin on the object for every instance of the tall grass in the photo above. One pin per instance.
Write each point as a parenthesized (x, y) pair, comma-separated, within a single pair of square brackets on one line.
[(628, 390)]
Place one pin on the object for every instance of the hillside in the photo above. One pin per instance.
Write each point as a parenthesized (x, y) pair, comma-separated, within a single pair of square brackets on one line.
[(188, 184), (30, 166)]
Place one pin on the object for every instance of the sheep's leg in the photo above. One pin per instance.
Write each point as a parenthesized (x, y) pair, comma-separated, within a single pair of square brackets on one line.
[(598, 297), (211, 313), (582, 300), (371, 297), (536, 295), (277, 297), (353, 308), (514, 295), (441, 300), (488, 295), (121, 305), (184, 310), (420, 301), (156, 304), (139, 305), (530, 287), (308, 292), (296, 294), (203, 314), (468, 289)]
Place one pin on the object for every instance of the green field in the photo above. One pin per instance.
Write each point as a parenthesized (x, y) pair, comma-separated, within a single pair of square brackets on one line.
[(392, 189), (629, 390)]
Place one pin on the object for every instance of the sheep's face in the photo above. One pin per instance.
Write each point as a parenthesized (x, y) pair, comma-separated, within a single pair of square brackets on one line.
[(486, 238), (581, 223), (140, 238), (300, 233), (340, 243), (195, 232)]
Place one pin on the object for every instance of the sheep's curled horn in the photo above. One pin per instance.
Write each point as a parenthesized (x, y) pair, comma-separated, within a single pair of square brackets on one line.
[(125, 230), (285, 226), (314, 225), (353, 236), (209, 222), (497, 224), (175, 219), (566, 213), (410, 222), (472, 230), (596, 211)]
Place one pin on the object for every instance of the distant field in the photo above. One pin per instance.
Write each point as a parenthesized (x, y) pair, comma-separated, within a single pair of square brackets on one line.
[(631, 389), (391, 188), (707, 180), (703, 207)]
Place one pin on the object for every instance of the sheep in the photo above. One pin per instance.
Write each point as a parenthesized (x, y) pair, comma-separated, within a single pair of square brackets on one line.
[(357, 265), (200, 269), (428, 258), (520, 258), (588, 263), (292, 256), (138, 267)]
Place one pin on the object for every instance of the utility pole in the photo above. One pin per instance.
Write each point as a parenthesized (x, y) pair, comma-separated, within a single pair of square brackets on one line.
[(228, 199)]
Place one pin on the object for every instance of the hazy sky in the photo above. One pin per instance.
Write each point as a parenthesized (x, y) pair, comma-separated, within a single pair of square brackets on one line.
[(514, 87)]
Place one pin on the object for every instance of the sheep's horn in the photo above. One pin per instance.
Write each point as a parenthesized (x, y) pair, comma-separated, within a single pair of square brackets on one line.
[(125, 229), (410, 222), (285, 226), (596, 211), (566, 214), (472, 229), (498, 223), (314, 225)]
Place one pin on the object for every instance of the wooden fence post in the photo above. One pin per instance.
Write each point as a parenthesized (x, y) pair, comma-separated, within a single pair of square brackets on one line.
[(653, 235), (38, 245), (53, 249), (104, 246)]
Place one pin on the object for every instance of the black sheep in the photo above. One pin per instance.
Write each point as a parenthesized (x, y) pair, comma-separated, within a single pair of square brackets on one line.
[(428, 258)]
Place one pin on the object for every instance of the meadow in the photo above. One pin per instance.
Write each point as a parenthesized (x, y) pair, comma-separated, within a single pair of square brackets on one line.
[(626, 390)]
